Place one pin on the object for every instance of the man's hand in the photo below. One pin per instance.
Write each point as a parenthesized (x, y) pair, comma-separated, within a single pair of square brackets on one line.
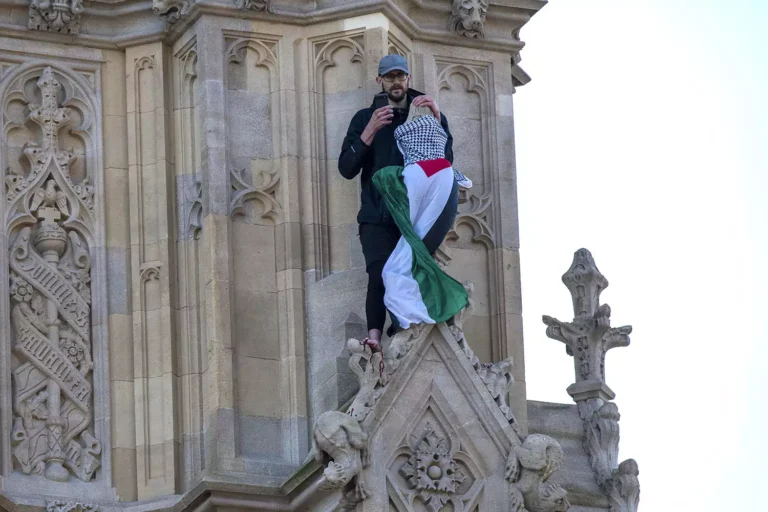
[(380, 118), (427, 101)]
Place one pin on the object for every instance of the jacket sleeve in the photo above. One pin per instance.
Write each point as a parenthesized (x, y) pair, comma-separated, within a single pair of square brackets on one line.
[(449, 143), (353, 149)]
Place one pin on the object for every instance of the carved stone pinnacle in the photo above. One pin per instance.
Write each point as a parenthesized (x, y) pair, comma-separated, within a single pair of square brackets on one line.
[(590, 335)]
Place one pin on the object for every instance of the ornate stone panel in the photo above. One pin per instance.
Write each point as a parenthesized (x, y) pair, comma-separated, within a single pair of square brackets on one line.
[(252, 95), (52, 265), (465, 95), (62, 16), (337, 82)]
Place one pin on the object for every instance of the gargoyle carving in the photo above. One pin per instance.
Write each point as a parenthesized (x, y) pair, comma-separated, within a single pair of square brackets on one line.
[(497, 377), (338, 436), (468, 17), (171, 10), (369, 377), (528, 468)]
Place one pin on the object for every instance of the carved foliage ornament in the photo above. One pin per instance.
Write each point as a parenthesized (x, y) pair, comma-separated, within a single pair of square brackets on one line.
[(624, 491), (468, 17), (61, 16), (63, 506), (48, 222), (431, 472)]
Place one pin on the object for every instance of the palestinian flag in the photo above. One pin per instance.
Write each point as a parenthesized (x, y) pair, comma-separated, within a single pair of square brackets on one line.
[(417, 289)]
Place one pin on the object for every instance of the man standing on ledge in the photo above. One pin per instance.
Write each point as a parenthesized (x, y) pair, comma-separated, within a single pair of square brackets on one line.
[(369, 146)]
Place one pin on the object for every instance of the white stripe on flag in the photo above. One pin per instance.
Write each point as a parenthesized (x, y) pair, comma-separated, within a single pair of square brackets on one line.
[(427, 197)]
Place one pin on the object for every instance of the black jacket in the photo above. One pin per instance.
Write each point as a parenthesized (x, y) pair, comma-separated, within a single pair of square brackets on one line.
[(383, 152)]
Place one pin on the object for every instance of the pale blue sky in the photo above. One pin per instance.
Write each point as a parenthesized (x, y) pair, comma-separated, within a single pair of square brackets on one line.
[(643, 137)]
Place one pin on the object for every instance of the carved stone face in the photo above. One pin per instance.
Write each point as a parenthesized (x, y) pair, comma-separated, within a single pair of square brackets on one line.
[(553, 499), (469, 17)]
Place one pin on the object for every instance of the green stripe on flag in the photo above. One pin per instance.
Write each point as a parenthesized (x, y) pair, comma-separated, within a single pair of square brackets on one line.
[(442, 295)]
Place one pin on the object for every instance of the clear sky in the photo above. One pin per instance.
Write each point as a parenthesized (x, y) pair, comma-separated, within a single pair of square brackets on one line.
[(643, 137)]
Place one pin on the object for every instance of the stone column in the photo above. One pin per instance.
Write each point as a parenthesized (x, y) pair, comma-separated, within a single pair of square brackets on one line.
[(151, 207)]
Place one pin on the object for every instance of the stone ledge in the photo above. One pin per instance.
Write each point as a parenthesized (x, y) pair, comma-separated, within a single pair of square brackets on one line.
[(207, 495), (121, 26)]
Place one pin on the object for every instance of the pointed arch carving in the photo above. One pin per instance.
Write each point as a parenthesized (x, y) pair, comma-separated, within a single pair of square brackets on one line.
[(52, 275)]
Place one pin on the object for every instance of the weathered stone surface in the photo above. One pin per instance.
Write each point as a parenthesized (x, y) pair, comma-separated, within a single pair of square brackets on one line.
[(468, 17), (179, 243), (588, 338)]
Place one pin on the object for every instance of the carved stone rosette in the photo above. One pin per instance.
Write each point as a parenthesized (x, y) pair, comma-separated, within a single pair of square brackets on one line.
[(49, 220), (588, 338), (431, 471), (61, 16)]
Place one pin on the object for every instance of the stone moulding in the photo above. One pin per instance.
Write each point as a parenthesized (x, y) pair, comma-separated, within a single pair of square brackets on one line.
[(173, 17)]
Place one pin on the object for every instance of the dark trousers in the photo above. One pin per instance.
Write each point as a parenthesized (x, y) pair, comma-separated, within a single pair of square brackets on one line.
[(379, 240)]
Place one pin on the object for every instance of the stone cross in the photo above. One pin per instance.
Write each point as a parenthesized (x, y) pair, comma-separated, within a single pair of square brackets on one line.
[(590, 335), (48, 215)]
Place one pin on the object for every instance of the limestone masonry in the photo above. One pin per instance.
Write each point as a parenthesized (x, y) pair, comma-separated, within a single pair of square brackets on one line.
[(182, 288)]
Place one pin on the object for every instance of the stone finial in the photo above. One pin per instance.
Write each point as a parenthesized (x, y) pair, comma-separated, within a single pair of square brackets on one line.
[(468, 17), (529, 466), (586, 283), (625, 487), (62, 16), (590, 335)]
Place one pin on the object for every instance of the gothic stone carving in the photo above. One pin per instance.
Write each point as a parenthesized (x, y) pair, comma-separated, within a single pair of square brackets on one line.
[(589, 336), (63, 506), (468, 17), (48, 222), (431, 472), (254, 5), (264, 191), (528, 468), (497, 377), (601, 423), (340, 437), (61, 16), (624, 489), (171, 10)]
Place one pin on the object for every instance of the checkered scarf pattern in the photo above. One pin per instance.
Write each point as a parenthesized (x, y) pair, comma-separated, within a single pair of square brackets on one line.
[(421, 139)]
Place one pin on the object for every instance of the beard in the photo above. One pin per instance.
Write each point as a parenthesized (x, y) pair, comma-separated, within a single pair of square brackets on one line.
[(396, 93)]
